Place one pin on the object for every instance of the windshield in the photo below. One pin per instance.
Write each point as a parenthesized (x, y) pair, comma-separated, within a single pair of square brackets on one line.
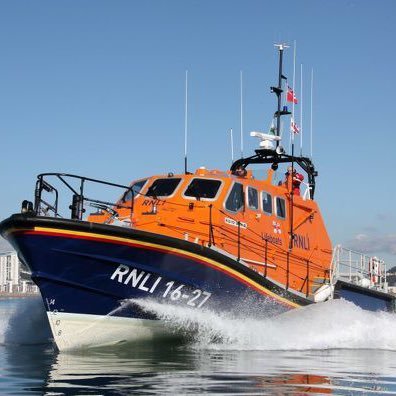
[(203, 188), (134, 190), (163, 187), (234, 200)]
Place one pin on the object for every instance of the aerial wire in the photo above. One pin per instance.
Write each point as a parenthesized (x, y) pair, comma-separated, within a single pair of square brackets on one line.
[(241, 87), (311, 121), (185, 123)]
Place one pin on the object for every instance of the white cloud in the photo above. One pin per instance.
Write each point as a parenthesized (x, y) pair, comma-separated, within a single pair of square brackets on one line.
[(373, 243)]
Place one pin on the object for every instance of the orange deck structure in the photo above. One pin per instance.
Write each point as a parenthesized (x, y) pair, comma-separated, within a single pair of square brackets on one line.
[(277, 233)]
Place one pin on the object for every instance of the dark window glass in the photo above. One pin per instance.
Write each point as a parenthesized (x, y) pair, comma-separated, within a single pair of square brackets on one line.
[(135, 188), (267, 202), (252, 198), (203, 188), (163, 187), (234, 201), (280, 208)]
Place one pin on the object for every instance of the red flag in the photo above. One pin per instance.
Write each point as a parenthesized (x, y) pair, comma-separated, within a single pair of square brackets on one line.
[(291, 97), (294, 127)]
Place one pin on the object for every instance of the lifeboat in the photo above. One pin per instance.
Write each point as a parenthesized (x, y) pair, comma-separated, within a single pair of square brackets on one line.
[(215, 240)]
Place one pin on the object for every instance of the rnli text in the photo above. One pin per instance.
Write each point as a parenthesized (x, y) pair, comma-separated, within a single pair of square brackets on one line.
[(148, 282)]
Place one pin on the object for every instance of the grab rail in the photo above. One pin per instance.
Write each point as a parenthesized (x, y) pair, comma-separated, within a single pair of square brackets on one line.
[(78, 199), (262, 250), (358, 268)]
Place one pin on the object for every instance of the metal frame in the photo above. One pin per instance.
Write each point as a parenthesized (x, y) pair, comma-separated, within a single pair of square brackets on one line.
[(265, 156), (78, 198)]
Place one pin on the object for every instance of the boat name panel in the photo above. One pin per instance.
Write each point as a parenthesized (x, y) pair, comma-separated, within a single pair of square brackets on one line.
[(235, 223)]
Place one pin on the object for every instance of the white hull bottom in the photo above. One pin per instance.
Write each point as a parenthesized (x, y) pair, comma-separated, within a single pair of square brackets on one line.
[(76, 331)]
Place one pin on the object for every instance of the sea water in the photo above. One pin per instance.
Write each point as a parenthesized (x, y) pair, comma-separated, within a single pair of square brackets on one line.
[(334, 347)]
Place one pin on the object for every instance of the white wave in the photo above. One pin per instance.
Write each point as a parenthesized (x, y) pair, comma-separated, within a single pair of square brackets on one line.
[(24, 321), (329, 325)]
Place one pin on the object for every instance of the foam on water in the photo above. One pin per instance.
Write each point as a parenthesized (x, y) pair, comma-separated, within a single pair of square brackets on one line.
[(24, 321), (329, 325)]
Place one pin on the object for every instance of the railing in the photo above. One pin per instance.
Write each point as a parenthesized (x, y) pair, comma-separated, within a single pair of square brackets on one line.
[(262, 246), (358, 268), (48, 186)]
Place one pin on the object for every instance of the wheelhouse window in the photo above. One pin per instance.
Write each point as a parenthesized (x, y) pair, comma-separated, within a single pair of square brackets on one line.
[(266, 200), (203, 188), (163, 187), (234, 201), (134, 190), (280, 208), (252, 195)]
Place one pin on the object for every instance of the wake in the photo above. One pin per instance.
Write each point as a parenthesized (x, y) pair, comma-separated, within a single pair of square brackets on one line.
[(329, 325)]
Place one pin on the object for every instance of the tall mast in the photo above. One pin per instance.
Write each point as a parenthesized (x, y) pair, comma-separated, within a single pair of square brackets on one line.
[(278, 91), (266, 153)]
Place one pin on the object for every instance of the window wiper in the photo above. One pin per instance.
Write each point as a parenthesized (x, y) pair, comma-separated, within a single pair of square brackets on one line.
[(195, 192), (151, 192)]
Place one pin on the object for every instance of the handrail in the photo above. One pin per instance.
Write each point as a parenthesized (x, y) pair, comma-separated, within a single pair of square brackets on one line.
[(255, 243), (78, 198), (211, 236), (83, 177), (359, 268)]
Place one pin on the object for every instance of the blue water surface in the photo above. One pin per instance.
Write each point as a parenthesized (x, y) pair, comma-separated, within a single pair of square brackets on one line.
[(31, 365)]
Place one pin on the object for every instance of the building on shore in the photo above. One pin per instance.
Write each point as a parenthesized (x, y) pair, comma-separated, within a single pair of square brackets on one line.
[(14, 278)]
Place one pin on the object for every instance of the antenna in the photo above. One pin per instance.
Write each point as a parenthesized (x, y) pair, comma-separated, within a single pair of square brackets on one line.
[(241, 82), (301, 109), (232, 147), (311, 127), (185, 123)]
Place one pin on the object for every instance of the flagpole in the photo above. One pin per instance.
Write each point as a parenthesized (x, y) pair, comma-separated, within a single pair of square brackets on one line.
[(294, 91), (301, 109), (311, 122), (232, 147), (185, 123), (241, 83), (291, 232)]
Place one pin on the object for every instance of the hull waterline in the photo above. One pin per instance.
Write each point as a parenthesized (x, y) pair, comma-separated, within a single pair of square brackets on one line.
[(86, 272)]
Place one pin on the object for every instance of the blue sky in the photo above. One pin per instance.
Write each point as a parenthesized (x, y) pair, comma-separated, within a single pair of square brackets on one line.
[(97, 88)]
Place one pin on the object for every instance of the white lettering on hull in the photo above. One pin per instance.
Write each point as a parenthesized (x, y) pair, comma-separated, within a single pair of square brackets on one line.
[(148, 283)]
